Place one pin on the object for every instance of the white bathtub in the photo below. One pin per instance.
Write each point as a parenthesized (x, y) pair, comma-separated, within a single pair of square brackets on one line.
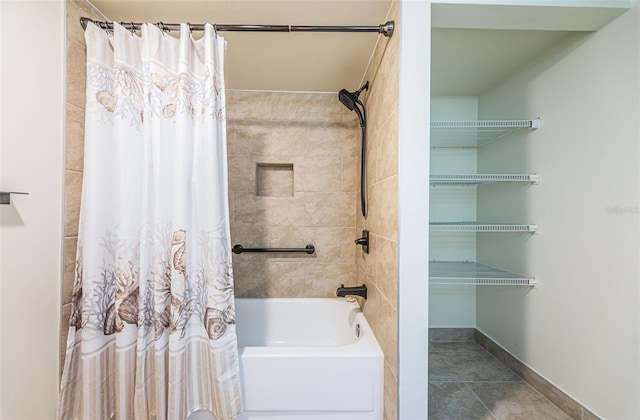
[(302, 359), (307, 359)]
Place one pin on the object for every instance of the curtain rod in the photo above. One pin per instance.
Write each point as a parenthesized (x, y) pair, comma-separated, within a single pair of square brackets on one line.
[(386, 28)]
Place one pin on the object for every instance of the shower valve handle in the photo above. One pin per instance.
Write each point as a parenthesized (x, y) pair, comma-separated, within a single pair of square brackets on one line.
[(364, 241)]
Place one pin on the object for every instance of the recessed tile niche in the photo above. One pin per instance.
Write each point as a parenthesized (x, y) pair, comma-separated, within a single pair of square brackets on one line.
[(274, 179)]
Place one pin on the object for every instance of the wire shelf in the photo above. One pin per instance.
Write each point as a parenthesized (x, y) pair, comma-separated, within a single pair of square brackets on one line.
[(477, 179), (471, 134), (481, 227), (473, 273)]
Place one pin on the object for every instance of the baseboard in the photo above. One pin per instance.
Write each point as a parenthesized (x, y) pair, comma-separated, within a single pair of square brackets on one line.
[(574, 409), (451, 335)]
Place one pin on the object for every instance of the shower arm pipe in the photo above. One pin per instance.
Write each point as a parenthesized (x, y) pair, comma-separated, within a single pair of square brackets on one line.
[(386, 28)]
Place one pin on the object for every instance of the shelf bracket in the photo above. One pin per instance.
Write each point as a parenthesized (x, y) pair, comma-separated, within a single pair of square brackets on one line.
[(535, 123), (5, 196)]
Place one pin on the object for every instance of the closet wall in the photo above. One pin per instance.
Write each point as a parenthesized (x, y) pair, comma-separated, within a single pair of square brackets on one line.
[(579, 328)]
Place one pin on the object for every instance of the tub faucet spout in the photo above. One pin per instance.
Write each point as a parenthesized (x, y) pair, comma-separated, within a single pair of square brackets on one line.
[(352, 291)]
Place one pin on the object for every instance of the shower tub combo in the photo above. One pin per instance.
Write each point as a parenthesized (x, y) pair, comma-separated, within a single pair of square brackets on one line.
[(307, 359)]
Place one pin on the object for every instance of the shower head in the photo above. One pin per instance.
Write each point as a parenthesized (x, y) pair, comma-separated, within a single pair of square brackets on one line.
[(351, 101), (348, 99)]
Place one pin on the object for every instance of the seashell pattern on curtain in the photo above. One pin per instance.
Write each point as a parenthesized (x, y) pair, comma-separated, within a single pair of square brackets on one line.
[(152, 327)]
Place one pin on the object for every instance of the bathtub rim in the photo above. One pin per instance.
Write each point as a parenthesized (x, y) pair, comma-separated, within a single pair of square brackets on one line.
[(365, 346)]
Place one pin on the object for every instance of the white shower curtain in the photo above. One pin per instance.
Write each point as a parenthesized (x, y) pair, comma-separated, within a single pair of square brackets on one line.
[(152, 332)]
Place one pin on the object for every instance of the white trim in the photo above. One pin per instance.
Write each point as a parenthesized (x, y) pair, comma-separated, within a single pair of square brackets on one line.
[(413, 208)]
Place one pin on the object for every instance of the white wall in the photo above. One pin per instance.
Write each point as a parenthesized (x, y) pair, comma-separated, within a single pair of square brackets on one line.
[(31, 159), (453, 306), (580, 328), (413, 209)]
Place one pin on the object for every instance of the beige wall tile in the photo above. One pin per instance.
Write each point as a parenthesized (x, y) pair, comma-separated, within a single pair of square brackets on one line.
[(308, 131), (248, 106), (374, 65), (389, 199), (390, 393), (310, 107), (74, 127), (383, 218), (270, 138), (249, 234), (371, 158), (588, 415), (75, 10), (379, 269), (384, 91), (287, 279), (76, 72), (387, 269), (271, 211), (348, 248), (266, 278), (361, 222), (388, 148), (319, 174), (350, 173), (332, 139), (361, 278), (231, 138), (273, 277), (394, 11), (250, 278), (326, 278), (69, 267), (383, 319), (242, 173), (73, 193), (330, 209)]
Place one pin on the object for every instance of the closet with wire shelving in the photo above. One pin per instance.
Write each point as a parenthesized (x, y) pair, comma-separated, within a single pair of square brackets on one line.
[(533, 216), (458, 137), (451, 139)]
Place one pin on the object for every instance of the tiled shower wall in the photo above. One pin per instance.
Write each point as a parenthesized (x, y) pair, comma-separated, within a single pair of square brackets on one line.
[(378, 269), (74, 147), (292, 182)]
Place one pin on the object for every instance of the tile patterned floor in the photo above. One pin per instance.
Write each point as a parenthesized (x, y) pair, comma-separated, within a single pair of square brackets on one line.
[(466, 382)]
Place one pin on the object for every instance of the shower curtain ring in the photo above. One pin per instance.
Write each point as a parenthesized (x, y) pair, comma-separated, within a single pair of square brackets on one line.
[(132, 29), (190, 28), (105, 27), (162, 28)]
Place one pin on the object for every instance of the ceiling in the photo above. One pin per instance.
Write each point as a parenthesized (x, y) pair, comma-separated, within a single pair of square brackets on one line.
[(465, 61), (470, 61), (316, 62)]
